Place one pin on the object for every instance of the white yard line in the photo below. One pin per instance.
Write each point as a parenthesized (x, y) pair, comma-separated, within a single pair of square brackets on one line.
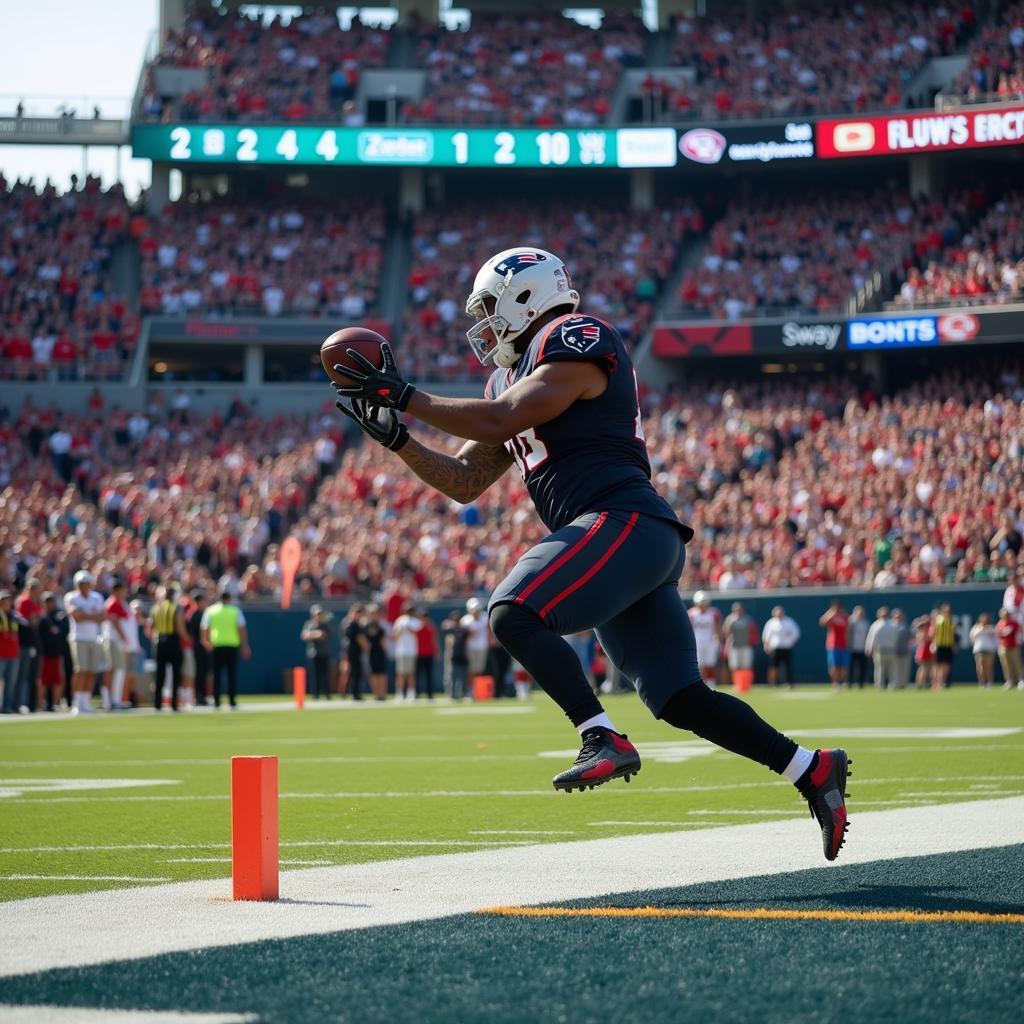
[(636, 790), (76, 930), (80, 878), (82, 1015)]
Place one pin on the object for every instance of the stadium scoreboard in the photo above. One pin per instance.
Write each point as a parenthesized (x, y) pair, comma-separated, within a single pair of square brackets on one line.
[(734, 143), (312, 145)]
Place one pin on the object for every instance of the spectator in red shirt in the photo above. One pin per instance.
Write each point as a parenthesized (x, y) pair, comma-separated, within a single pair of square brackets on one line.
[(426, 654), (10, 652), (30, 610), (65, 355), (120, 642), (837, 651), (1008, 633)]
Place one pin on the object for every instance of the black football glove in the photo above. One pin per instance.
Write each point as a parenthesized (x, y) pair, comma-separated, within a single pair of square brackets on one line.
[(378, 422), (382, 386)]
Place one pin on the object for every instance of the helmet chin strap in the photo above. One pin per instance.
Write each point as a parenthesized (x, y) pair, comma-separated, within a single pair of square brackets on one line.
[(505, 355)]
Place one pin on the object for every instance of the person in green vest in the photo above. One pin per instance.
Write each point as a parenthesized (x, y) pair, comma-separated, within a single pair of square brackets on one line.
[(223, 633)]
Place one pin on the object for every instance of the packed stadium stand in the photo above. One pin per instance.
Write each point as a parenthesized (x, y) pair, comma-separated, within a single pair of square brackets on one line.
[(539, 70), (996, 68), (548, 70), (984, 265), (619, 259), (61, 316), (846, 58), (872, 467), (792, 482), (813, 252), (297, 255), (304, 70)]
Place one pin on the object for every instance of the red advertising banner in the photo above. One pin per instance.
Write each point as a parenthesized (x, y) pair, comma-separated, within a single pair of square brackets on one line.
[(967, 128), (697, 339)]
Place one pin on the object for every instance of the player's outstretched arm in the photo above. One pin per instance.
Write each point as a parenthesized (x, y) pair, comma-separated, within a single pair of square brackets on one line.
[(531, 402), (462, 477)]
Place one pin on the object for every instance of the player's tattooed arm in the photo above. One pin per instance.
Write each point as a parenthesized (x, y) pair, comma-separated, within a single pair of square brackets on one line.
[(464, 476)]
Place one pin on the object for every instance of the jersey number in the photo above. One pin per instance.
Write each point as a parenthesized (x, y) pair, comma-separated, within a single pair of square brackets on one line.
[(528, 450)]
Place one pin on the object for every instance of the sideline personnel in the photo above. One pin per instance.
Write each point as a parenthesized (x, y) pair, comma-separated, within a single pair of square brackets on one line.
[(224, 634)]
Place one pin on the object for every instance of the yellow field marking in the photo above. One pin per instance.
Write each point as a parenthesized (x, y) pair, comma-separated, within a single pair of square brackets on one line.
[(766, 914)]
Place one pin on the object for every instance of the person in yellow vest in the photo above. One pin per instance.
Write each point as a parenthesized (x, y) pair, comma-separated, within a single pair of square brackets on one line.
[(943, 644), (224, 634), (167, 626)]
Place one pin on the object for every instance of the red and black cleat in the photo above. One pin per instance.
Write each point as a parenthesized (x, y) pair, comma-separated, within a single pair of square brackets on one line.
[(605, 755), (824, 788)]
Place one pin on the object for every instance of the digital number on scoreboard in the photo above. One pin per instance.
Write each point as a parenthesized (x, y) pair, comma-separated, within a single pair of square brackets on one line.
[(398, 147)]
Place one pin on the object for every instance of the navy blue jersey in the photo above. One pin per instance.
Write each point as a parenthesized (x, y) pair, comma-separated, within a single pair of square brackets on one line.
[(593, 456)]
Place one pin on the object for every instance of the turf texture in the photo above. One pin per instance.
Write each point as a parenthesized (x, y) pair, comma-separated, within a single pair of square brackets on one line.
[(479, 968)]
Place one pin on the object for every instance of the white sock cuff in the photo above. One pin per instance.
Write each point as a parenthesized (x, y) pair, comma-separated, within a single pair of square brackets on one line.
[(598, 721), (798, 765)]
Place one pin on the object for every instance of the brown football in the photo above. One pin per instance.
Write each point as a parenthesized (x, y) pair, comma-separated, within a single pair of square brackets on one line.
[(360, 339)]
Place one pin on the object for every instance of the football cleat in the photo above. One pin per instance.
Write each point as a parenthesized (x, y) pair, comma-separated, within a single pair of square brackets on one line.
[(824, 788), (605, 755)]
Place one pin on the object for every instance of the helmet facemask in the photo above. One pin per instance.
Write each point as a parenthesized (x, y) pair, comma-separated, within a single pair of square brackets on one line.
[(510, 291), (505, 323)]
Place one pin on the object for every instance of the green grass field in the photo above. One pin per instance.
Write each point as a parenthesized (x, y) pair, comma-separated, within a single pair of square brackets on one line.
[(373, 783)]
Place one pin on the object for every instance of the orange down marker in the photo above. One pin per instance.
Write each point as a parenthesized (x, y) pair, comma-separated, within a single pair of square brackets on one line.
[(254, 828), (299, 686)]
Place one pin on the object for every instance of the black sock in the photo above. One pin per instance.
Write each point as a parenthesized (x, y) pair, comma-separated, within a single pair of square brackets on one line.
[(730, 723), (548, 658)]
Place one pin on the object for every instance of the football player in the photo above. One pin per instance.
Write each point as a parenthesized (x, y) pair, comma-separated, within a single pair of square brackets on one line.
[(562, 405)]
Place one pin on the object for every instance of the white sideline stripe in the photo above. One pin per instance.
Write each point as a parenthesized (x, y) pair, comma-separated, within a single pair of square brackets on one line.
[(83, 1015), (82, 878), (75, 930)]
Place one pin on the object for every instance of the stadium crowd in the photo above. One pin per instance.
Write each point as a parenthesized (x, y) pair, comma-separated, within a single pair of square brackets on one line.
[(61, 318), (996, 66), (801, 482), (540, 70), (985, 265), (300, 256), (304, 70), (619, 259), (797, 483), (846, 58), (812, 253)]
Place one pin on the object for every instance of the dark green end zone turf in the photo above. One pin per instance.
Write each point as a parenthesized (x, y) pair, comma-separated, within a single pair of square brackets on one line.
[(499, 970)]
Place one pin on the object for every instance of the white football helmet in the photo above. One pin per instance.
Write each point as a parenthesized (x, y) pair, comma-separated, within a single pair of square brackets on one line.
[(523, 283)]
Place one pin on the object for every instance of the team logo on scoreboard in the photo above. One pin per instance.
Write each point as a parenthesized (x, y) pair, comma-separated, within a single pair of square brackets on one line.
[(853, 137), (702, 145)]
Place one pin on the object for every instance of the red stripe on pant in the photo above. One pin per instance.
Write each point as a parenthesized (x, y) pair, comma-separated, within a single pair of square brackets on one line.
[(595, 568), (562, 559)]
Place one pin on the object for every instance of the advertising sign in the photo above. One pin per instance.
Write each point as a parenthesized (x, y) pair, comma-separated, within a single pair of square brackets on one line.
[(769, 142), (922, 132)]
